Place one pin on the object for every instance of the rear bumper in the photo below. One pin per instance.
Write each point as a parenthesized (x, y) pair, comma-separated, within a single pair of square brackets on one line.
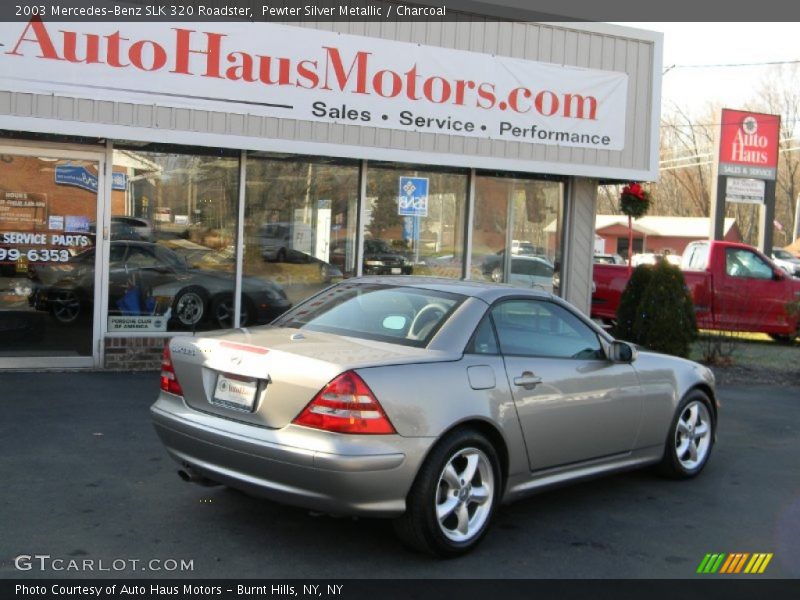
[(332, 473)]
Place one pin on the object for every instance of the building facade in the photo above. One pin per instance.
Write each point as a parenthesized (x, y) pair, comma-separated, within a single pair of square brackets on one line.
[(659, 235), (167, 178)]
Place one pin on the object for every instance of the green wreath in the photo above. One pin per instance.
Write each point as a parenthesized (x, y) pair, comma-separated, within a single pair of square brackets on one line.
[(634, 201)]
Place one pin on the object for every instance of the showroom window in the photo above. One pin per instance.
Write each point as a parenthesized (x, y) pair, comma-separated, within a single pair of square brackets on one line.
[(173, 240), (300, 225), (414, 221), (48, 207), (524, 215)]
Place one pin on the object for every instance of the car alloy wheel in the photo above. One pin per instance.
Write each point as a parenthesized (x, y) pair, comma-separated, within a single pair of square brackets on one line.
[(465, 494), (65, 306), (691, 437), (190, 307), (454, 496), (223, 312)]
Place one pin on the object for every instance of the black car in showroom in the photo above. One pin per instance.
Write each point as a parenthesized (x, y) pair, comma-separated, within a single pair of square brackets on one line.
[(150, 279)]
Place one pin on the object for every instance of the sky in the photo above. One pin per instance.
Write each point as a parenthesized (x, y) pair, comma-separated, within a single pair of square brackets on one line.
[(687, 44)]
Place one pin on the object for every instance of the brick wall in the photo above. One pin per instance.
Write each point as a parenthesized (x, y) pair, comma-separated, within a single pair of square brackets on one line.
[(134, 353)]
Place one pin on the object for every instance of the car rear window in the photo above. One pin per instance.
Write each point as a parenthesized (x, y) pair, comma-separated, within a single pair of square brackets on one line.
[(396, 314)]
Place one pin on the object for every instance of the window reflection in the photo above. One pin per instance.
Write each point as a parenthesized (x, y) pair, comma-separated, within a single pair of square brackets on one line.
[(300, 222), (47, 206), (524, 215), (415, 221), (173, 244)]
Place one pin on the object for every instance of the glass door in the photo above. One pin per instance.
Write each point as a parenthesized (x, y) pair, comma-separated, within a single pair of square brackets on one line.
[(49, 257)]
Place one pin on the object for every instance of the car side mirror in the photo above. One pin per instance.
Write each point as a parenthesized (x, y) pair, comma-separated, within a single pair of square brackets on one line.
[(622, 352), (778, 275)]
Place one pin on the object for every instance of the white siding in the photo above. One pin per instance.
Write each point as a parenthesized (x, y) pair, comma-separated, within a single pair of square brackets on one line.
[(580, 207)]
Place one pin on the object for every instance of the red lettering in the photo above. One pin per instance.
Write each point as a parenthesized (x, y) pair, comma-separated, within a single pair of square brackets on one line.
[(242, 71), (411, 83), (445, 90), (265, 70), (42, 38), (308, 73), (513, 99), (461, 87), (359, 64), (183, 52), (158, 55), (113, 53), (581, 106), (71, 48), (486, 92), (378, 83), (539, 103)]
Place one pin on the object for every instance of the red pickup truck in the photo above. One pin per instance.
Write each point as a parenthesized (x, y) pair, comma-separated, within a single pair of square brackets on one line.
[(734, 288)]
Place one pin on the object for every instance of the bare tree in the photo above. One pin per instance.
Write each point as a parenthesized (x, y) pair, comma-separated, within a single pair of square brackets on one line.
[(779, 94), (687, 152)]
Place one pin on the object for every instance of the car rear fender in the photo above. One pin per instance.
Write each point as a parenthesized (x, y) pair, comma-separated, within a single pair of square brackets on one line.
[(429, 400)]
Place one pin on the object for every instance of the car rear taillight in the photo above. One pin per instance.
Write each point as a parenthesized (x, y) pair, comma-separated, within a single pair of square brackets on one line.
[(346, 405), (169, 381)]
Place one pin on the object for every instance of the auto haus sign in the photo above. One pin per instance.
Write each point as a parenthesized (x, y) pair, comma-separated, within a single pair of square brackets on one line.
[(749, 144), (313, 75)]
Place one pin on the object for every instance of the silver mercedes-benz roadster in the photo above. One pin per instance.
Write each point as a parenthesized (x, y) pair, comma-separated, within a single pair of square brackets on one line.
[(427, 400)]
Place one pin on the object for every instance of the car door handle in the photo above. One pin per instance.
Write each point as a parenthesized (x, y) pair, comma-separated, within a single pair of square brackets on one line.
[(527, 380)]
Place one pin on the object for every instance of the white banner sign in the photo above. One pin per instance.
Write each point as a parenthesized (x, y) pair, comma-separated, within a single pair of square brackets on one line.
[(744, 190), (314, 75), (138, 323)]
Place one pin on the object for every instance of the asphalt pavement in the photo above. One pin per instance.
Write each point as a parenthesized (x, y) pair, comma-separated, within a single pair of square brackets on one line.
[(86, 482)]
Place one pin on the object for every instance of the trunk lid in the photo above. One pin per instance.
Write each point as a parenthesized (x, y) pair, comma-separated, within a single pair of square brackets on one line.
[(266, 376)]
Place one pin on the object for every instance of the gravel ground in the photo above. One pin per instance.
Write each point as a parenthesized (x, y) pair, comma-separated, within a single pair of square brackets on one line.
[(737, 374)]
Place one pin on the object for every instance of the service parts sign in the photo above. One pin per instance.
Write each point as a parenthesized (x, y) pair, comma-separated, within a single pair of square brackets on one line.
[(749, 144), (313, 75)]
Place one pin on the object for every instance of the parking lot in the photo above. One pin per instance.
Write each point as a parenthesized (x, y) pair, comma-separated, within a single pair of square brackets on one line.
[(86, 478)]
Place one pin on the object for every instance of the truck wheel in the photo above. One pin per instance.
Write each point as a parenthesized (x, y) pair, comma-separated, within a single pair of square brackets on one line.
[(454, 496), (782, 339)]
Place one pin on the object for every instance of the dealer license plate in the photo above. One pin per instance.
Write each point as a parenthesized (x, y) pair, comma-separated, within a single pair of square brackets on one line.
[(235, 392), (396, 270)]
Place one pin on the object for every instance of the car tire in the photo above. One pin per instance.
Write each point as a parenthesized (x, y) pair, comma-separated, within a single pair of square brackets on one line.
[(691, 437), (281, 256), (189, 307), (65, 306), (222, 312), (447, 512), (497, 275), (782, 339)]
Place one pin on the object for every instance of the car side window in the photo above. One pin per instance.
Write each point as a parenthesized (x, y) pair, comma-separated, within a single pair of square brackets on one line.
[(484, 340), (744, 263), (545, 329), (697, 259), (117, 253), (141, 260)]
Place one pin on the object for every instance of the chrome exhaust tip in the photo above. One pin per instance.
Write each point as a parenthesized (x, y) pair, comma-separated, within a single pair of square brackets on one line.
[(189, 475)]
